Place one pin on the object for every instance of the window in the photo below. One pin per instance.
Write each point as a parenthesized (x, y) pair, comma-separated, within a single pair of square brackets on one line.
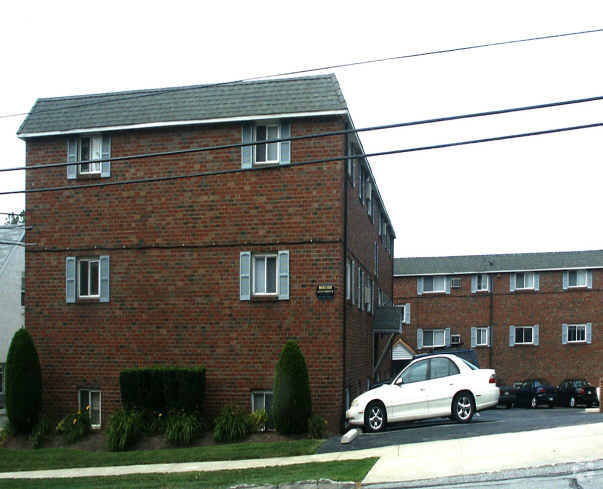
[(90, 400), (88, 277), (443, 367), (525, 281), (261, 400), (577, 278), (415, 373), (524, 335), (434, 284), (90, 148), (481, 336), (264, 274), (348, 279), (482, 282), (267, 152), (576, 333), (434, 338)]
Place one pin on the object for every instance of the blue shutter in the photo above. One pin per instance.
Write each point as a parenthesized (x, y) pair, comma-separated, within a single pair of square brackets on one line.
[(245, 275), (447, 336), (407, 313), (589, 279), (511, 335), (419, 338), (564, 334), (420, 286), (104, 278), (536, 281), (246, 151), (489, 336), (70, 279), (489, 283), (512, 283), (106, 155), (473, 284), (447, 279), (283, 275), (71, 157), (352, 273), (535, 335), (473, 337), (589, 333), (565, 280), (285, 145)]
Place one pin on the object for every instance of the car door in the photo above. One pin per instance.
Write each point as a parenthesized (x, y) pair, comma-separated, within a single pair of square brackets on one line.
[(409, 400), (562, 393), (443, 384), (523, 393)]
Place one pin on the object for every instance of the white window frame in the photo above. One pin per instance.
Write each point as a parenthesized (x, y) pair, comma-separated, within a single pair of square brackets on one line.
[(576, 326), (577, 286), (96, 142), (100, 405), (433, 331), (276, 268), (485, 332), (477, 282), (525, 275), (89, 260), (259, 392), (434, 291), (531, 328), (267, 126)]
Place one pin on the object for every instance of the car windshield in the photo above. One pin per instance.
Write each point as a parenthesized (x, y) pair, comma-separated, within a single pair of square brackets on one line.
[(470, 365), (581, 383)]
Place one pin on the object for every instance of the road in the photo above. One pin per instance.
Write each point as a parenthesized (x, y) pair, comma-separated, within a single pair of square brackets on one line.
[(493, 421)]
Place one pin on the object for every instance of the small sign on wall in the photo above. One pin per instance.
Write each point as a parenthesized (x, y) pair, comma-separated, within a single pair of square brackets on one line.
[(325, 291)]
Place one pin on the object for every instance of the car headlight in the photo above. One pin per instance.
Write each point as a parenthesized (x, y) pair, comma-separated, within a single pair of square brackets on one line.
[(355, 403)]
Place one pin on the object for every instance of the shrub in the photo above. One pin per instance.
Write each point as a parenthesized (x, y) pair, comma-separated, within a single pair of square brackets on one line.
[(182, 428), (41, 432), (163, 389), (317, 426), (125, 429), (153, 422), (75, 426), (23, 383), (292, 402), (232, 424), (259, 420)]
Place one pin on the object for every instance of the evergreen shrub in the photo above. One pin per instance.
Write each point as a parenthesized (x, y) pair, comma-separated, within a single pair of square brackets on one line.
[(292, 401)]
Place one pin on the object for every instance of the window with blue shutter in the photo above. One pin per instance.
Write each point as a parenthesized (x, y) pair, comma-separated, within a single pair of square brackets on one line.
[(264, 275), (264, 152)]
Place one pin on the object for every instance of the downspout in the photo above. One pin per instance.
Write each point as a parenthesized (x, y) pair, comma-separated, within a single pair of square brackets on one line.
[(345, 278)]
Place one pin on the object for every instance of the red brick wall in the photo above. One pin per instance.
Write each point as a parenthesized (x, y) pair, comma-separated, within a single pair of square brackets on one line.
[(549, 307), (174, 249)]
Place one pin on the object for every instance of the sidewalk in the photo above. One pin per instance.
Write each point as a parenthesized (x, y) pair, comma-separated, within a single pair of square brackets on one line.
[(410, 462)]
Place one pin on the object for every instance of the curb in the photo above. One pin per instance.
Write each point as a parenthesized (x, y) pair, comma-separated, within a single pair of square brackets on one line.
[(311, 484)]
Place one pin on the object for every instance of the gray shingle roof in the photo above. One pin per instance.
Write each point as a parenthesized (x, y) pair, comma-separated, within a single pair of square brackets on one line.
[(194, 103), (448, 265)]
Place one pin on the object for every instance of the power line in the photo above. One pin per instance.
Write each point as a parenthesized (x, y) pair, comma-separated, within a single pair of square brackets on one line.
[(310, 70), (309, 162), (310, 136)]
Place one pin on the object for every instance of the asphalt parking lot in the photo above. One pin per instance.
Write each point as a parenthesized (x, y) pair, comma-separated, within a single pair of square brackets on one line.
[(490, 422)]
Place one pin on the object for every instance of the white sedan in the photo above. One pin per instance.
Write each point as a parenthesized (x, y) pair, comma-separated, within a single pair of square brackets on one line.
[(429, 387)]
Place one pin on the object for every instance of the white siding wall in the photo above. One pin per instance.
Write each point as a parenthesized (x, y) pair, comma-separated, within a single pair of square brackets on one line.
[(11, 312)]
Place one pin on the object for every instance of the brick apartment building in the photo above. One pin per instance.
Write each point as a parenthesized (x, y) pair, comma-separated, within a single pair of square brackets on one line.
[(217, 270), (526, 315)]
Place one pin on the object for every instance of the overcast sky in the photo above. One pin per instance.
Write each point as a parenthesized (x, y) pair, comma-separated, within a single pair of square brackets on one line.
[(536, 194)]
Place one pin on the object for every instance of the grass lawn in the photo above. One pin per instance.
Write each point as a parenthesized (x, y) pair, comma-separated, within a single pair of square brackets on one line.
[(65, 458), (349, 470)]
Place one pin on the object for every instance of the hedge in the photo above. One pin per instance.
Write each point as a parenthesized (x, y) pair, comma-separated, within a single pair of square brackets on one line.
[(163, 389)]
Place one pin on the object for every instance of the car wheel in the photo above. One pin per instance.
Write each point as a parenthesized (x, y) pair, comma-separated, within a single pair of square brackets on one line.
[(572, 402), (375, 417), (533, 403), (462, 407)]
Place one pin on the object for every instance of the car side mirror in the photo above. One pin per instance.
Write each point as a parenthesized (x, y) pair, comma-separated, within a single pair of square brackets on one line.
[(399, 381)]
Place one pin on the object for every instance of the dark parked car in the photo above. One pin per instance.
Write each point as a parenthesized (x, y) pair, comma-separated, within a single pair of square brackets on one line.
[(572, 392), (508, 394), (535, 392)]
